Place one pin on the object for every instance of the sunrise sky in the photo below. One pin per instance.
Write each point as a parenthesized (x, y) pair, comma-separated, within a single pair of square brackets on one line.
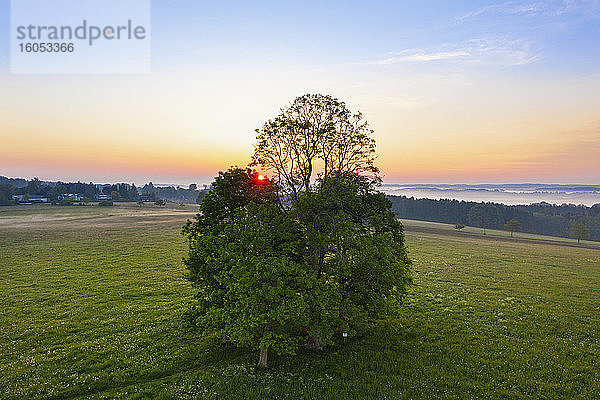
[(457, 91)]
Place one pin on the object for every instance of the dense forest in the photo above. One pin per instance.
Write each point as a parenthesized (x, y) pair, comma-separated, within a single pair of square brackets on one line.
[(541, 218)]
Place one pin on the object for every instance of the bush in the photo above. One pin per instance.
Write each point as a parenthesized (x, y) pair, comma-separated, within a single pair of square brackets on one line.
[(105, 203), (65, 202)]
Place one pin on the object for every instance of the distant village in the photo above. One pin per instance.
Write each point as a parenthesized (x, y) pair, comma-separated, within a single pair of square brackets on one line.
[(76, 197), (15, 191), (73, 197)]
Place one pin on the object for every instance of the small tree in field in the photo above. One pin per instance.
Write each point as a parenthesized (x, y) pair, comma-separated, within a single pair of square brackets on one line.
[(305, 256), (512, 226), (579, 231)]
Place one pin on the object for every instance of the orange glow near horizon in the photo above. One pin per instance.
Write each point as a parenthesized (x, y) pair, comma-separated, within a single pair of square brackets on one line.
[(141, 135)]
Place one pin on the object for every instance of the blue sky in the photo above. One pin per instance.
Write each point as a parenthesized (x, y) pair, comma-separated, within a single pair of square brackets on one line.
[(457, 91), (563, 35)]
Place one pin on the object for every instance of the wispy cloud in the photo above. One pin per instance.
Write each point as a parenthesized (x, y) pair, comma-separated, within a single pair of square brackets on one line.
[(489, 51), (546, 8), (421, 55)]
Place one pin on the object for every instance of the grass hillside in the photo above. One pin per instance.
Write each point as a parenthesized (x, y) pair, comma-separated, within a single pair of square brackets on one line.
[(493, 234), (92, 301)]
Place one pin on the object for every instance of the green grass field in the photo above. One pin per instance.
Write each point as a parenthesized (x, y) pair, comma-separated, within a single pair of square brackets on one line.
[(92, 300), (495, 233)]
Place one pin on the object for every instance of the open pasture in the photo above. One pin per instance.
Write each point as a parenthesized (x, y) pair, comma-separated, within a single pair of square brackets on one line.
[(92, 300)]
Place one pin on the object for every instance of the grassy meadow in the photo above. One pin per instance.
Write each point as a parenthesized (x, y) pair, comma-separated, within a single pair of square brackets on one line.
[(92, 300)]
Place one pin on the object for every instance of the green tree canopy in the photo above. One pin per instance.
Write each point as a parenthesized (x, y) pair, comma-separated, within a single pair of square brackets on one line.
[(579, 231), (306, 255), (512, 226), (315, 130), (6, 192)]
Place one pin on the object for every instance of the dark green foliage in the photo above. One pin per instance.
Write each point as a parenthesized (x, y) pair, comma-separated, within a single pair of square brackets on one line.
[(34, 186), (579, 231), (459, 226), (244, 260), (88, 190), (160, 202), (354, 240), (118, 191), (105, 203), (173, 194), (544, 219), (272, 279), (121, 192), (53, 189), (6, 192), (297, 259), (65, 202), (484, 216), (15, 182), (512, 226)]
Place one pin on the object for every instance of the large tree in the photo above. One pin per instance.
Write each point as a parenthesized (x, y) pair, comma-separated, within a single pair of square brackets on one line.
[(307, 255), (322, 156)]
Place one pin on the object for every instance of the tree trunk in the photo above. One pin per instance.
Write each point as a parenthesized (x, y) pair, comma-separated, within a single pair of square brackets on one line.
[(510, 233), (262, 360)]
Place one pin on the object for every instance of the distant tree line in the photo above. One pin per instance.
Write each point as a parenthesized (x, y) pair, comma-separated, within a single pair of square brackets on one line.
[(6, 192), (10, 187), (15, 182), (541, 218), (190, 195)]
